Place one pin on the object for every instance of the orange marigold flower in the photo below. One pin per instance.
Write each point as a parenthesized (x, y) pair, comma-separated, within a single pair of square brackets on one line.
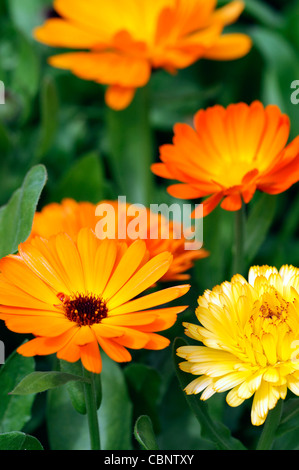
[(229, 154), (159, 234), (121, 41), (76, 296)]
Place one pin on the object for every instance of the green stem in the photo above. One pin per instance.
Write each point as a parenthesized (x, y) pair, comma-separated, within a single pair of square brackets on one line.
[(91, 410), (130, 140), (270, 427), (239, 261), (146, 159)]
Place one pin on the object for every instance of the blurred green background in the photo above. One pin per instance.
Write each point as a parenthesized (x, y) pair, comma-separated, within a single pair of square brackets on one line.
[(92, 153)]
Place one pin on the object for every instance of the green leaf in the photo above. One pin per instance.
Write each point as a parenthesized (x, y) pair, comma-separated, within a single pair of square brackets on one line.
[(280, 68), (26, 78), (49, 116), (212, 430), (5, 140), (264, 13), (217, 226), (76, 388), (19, 441), (258, 224), (144, 433), (144, 385), (15, 411), (27, 15), (68, 430), (84, 181), (17, 216), (115, 413), (289, 420), (37, 382)]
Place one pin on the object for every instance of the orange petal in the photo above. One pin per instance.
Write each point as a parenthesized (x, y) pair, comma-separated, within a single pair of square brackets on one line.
[(126, 267), (160, 169), (233, 202), (229, 13), (16, 272), (71, 352), (38, 326), (248, 193), (151, 300), (70, 261), (184, 191), (229, 47), (44, 346), (84, 335), (209, 204), (166, 318), (276, 134), (104, 263), (106, 330), (157, 342), (98, 18), (282, 179), (91, 357), (118, 97), (130, 319), (132, 338), (145, 277), (115, 351), (57, 32), (14, 298), (38, 263), (87, 244), (108, 68)]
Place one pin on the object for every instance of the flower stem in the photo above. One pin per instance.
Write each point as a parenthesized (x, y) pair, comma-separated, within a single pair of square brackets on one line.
[(131, 148), (270, 426), (238, 261), (91, 410)]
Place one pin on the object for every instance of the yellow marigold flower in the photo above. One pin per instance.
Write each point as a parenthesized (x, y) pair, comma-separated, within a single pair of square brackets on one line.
[(250, 335), (121, 41), (159, 234), (229, 154), (76, 296)]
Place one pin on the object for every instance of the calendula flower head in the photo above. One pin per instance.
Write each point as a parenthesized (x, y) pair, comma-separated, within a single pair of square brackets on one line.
[(79, 297), (112, 219), (229, 154), (121, 41), (250, 336)]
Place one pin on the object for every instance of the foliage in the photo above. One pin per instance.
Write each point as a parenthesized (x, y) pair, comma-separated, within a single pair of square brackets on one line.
[(58, 139)]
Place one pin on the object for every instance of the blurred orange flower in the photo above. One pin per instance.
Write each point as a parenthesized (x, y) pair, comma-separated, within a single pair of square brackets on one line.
[(159, 235), (121, 41), (76, 296), (230, 154)]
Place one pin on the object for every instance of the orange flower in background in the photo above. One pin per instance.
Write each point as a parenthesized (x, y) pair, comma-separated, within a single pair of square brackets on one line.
[(121, 41), (159, 235), (76, 296), (229, 154), (69, 216)]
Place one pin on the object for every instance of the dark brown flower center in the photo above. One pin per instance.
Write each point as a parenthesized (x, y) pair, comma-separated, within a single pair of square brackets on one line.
[(84, 309)]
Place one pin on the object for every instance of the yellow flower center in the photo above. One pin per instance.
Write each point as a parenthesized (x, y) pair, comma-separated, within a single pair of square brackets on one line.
[(276, 310), (84, 309), (269, 331)]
